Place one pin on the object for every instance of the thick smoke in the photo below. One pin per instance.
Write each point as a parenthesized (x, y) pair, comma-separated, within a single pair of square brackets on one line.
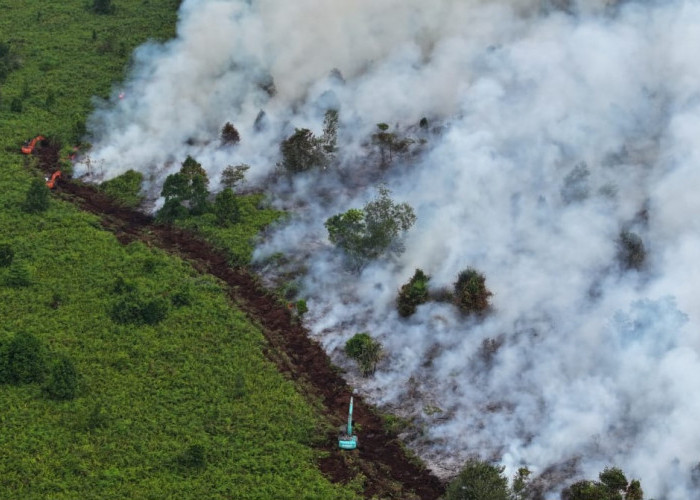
[(552, 129)]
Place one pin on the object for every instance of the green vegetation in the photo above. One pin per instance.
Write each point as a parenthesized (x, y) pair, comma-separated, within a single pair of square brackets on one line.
[(125, 188), (479, 481), (470, 292), (370, 232), (413, 294), (613, 485), (231, 175), (37, 197), (184, 407), (302, 151), (365, 351)]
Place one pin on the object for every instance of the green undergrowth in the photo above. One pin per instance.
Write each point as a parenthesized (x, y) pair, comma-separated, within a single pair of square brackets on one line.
[(178, 404), (237, 240)]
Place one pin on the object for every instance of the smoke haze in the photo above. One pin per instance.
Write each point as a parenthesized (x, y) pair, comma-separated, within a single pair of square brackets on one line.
[(552, 128)]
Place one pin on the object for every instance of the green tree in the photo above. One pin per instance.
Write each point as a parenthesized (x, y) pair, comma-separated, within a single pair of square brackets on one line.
[(231, 175), (471, 294), (413, 293), (24, 360), (227, 208), (479, 481), (37, 197), (63, 380), (187, 188), (7, 254), (300, 151), (368, 233), (365, 351), (230, 135)]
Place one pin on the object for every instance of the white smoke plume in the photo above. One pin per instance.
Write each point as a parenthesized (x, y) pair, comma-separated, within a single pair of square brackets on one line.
[(552, 129)]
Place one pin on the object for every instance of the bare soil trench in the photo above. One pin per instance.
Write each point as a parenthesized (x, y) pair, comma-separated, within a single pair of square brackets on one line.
[(389, 472)]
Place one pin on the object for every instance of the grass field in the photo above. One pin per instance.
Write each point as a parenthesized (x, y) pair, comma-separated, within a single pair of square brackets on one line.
[(186, 407)]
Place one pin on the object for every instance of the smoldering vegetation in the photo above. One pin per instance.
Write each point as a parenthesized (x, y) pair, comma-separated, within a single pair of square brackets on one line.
[(550, 147)]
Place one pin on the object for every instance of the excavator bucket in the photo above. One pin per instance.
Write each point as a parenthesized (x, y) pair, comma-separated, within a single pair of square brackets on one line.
[(51, 182), (28, 147)]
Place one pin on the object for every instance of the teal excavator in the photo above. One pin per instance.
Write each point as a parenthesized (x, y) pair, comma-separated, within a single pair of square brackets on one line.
[(347, 440)]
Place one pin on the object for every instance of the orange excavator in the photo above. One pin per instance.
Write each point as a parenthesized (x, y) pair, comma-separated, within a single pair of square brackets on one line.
[(51, 181), (29, 145)]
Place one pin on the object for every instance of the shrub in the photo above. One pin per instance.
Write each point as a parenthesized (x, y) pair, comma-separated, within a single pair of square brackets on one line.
[(365, 351), (126, 188), (193, 457), (230, 135), (301, 306), (413, 293), (137, 310), (102, 6), (24, 360), (471, 294), (6, 254), (479, 481), (18, 276), (182, 297), (63, 380), (37, 197), (16, 105)]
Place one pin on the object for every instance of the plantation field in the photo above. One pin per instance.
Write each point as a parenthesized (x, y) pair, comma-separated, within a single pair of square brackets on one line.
[(175, 402)]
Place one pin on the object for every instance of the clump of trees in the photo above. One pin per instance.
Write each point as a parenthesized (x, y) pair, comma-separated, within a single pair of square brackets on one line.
[(631, 252), (303, 151), (134, 307), (365, 351), (186, 194), (612, 485), (413, 293), (481, 480), (25, 360), (370, 232), (470, 292)]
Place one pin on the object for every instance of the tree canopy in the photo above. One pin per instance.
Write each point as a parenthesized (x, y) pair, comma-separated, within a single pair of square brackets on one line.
[(373, 231)]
